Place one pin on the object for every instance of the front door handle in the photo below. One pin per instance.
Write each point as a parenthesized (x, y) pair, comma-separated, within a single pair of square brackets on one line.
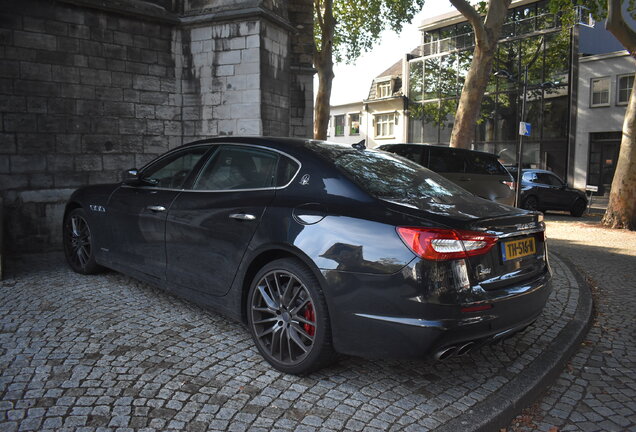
[(156, 208), (243, 216), (464, 179)]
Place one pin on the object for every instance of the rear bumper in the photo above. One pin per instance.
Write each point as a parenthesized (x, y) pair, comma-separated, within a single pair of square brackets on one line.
[(396, 316)]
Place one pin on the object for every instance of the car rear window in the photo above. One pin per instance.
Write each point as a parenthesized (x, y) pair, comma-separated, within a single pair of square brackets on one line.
[(477, 163), (390, 177)]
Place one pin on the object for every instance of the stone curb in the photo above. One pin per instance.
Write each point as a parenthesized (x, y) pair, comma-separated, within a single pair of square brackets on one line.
[(498, 410)]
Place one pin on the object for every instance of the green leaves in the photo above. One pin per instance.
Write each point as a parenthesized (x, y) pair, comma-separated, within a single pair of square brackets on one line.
[(359, 23)]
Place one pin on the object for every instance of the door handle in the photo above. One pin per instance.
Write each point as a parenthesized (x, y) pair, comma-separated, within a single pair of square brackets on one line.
[(242, 216), (464, 178), (156, 208)]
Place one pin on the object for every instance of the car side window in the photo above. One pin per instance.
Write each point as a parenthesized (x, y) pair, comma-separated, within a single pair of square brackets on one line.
[(483, 164), (554, 180), (237, 167), (548, 179), (410, 152), (287, 169), (446, 161), (172, 171), (530, 177)]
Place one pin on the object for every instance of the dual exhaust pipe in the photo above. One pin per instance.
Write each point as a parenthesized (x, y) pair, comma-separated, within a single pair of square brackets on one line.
[(455, 350)]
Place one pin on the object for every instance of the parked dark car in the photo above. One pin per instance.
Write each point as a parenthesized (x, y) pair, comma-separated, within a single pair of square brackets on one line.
[(544, 190), (319, 248), (478, 172)]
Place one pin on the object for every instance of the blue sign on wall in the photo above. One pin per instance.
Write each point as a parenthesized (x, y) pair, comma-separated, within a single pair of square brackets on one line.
[(525, 128)]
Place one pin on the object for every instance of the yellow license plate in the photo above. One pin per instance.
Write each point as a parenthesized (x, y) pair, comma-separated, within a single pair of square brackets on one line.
[(518, 248)]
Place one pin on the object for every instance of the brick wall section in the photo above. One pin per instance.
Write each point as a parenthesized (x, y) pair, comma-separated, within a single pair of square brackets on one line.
[(86, 93), (83, 95)]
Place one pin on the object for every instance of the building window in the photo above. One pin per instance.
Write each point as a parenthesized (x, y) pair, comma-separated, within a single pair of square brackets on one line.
[(340, 125), (600, 92), (354, 124), (625, 84), (384, 89), (384, 125)]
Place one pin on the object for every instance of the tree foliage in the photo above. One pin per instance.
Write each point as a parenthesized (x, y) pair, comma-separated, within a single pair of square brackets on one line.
[(344, 29)]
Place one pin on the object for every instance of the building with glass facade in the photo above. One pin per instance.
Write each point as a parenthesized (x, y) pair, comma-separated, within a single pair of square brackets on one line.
[(434, 83)]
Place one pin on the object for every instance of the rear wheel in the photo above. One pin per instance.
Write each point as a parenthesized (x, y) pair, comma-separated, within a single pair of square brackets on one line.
[(530, 203), (288, 317), (578, 208), (78, 243)]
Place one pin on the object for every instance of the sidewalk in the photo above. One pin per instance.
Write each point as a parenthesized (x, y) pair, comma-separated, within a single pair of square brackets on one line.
[(597, 389)]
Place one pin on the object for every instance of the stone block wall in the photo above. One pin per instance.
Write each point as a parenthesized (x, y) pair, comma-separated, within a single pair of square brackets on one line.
[(91, 88)]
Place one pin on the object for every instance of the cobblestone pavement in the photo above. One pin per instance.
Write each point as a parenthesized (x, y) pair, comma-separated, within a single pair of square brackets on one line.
[(108, 353), (597, 391)]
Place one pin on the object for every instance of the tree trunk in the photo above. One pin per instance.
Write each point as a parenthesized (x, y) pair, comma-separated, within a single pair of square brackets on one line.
[(323, 61), (473, 92), (621, 210), (324, 66), (486, 37)]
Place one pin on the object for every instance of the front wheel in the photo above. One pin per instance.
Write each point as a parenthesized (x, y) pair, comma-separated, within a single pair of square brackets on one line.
[(288, 318), (578, 208), (530, 203), (78, 243)]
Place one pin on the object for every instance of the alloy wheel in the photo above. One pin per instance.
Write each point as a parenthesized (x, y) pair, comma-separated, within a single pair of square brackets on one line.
[(79, 241), (283, 317)]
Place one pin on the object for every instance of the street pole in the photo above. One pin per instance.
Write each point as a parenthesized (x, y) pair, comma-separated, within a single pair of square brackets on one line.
[(520, 149)]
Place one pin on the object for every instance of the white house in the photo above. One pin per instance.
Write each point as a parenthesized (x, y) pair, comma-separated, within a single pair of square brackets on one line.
[(378, 119), (604, 87)]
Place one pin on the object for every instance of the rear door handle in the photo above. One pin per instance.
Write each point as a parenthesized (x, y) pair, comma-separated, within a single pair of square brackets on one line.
[(243, 216), (156, 208)]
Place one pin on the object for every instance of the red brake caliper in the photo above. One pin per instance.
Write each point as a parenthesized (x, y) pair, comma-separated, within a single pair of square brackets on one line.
[(309, 315)]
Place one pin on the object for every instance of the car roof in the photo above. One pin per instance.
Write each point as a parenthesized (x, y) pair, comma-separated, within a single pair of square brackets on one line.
[(437, 146), (296, 147)]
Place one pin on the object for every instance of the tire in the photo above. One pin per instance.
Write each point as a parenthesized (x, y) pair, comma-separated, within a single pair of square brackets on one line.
[(288, 318), (578, 208), (530, 203), (78, 243)]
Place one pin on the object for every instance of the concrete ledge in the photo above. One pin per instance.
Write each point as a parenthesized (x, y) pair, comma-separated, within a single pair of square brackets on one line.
[(498, 410)]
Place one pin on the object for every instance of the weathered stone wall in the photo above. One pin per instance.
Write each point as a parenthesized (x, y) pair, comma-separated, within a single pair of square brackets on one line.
[(91, 88)]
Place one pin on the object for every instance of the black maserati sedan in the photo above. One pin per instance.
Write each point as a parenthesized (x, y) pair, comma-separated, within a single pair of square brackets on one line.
[(319, 248)]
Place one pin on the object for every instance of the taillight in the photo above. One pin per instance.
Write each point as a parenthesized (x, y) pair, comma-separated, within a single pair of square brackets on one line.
[(510, 184), (445, 244)]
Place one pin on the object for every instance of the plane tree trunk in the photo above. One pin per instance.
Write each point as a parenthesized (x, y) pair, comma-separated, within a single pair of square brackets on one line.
[(487, 31), (323, 61), (621, 210)]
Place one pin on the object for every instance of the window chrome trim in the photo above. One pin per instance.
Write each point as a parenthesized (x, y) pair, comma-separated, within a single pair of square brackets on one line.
[(300, 165)]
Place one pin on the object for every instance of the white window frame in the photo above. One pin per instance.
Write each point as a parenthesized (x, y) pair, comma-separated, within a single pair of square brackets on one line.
[(350, 125), (385, 124), (609, 91), (384, 85), (618, 88)]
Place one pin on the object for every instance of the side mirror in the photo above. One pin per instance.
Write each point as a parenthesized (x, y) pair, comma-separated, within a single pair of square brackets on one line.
[(131, 176)]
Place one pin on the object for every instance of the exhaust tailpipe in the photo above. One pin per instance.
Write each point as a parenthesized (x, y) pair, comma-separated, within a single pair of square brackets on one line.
[(445, 353), (465, 349)]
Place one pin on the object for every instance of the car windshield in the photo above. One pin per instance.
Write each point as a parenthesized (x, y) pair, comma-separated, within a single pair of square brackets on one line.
[(394, 178)]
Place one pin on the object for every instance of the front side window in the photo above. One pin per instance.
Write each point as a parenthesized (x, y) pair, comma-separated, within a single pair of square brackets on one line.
[(339, 120), (625, 84), (354, 124), (172, 171), (238, 167), (384, 124), (600, 92)]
